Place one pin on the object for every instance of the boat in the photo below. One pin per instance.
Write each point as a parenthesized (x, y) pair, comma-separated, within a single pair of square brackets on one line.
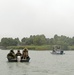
[(18, 60), (18, 57), (57, 50)]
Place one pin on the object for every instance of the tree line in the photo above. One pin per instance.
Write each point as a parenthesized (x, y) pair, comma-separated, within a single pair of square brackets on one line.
[(38, 40)]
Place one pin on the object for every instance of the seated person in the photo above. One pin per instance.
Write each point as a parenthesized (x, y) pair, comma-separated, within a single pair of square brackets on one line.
[(11, 55), (25, 54), (61, 52), (18, 53)]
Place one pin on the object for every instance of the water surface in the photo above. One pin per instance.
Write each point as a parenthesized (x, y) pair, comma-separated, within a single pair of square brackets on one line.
[(41, 63)]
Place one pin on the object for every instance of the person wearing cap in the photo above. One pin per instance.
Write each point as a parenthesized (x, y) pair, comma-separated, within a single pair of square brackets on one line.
[(11, 54), (25, 54), (18, 53)]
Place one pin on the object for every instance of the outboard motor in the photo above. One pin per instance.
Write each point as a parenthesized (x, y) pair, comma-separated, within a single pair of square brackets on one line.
[(61, 52), (18, 58)]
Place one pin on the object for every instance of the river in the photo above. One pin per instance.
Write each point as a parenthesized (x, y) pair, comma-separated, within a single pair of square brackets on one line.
[(41, 63)]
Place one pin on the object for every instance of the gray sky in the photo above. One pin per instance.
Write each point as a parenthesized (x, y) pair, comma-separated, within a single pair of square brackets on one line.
[(22, 18)]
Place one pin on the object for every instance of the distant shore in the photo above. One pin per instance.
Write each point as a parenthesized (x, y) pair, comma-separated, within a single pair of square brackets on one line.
[(33, 47)]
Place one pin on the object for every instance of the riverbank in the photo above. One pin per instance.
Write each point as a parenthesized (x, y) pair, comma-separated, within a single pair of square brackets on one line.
[(31, 47), (42, 47)]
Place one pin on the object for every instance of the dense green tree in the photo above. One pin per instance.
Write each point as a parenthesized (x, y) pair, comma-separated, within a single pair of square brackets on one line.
[(17, 41), (62, 40), (26, 41), (72, 41), (8, 42), (39, 40)]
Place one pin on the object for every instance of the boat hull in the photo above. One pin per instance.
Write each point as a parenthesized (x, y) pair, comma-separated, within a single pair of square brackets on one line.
[(15, 60), (57, 53)]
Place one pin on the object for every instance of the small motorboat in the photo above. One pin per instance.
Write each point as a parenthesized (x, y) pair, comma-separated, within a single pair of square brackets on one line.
[(18, 60), (18, 57), (58, 52)]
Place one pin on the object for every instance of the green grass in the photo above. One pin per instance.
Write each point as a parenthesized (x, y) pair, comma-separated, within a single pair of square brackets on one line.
[(31, 47)]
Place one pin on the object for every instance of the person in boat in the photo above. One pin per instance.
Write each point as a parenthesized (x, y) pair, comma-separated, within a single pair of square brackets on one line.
[(61, 52), (18, 53), (58, 47), (11, 55), (53, 50), (25, 54)]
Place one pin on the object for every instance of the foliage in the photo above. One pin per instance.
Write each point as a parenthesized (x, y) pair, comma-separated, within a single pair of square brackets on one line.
[(32, 47), (39, 42), (9, 42)]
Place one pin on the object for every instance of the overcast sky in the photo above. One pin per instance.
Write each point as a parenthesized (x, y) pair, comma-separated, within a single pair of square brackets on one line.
[(22, 18)]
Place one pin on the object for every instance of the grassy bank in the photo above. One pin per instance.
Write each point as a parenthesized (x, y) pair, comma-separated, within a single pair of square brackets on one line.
[(32, 47), (43, 47)]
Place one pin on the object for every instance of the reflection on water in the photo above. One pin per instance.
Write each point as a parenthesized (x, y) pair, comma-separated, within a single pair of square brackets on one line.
[(41, 63)]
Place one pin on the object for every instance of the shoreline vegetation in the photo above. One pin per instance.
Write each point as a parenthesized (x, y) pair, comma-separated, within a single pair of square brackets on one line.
[(41, 48), (31, 47), (38, 42)]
